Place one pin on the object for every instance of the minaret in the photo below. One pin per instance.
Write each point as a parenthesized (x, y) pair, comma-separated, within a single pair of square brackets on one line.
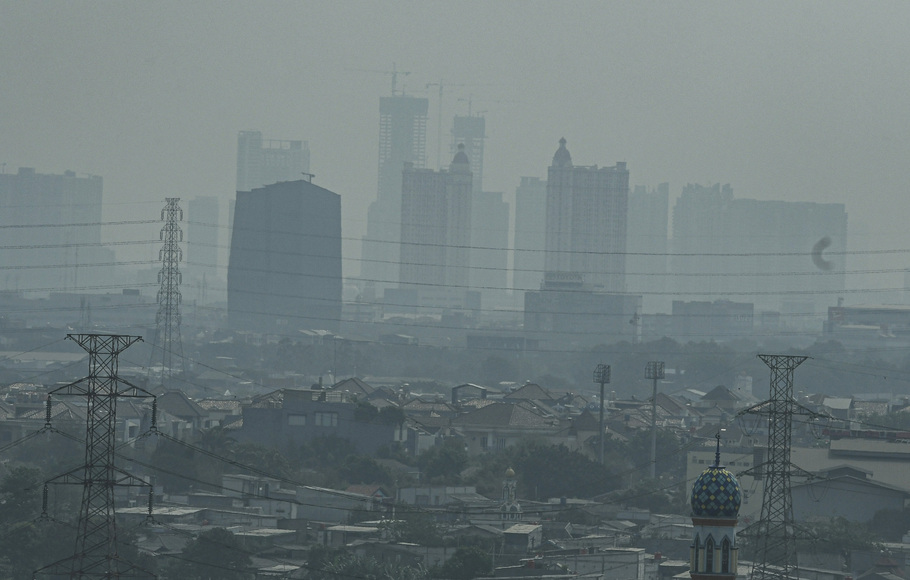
[(716, 497), (510, 509)]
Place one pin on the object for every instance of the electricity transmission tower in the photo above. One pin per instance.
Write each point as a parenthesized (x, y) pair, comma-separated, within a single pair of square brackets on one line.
[(774, 534), (168, 344), (95, 554)]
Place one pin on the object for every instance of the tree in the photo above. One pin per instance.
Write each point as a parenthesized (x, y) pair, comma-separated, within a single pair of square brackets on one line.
[(555, 471), (20, 497), (215, 555), (444, 462), (465, 564), (891, 524), (414, 527), (364, 469)]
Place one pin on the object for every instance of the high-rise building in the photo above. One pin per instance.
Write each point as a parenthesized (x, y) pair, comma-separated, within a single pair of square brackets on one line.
[(785, 256), (200, 273), (586, 221), (50, 227), (266, 161), (284, 272), (489, 247), (436, 226), (530, 235), (470, 131), (402, 139), (647, 246)]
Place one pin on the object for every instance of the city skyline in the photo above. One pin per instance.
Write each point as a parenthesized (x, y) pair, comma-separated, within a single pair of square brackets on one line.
[(733, 90)]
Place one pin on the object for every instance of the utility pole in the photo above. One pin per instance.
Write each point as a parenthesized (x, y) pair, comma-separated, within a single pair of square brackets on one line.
[(602, 376), (168, 343), (95, 554), (654, 370), (774, 533)]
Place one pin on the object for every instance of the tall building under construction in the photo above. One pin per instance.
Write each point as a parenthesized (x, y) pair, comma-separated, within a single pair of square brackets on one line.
[(402, 139)]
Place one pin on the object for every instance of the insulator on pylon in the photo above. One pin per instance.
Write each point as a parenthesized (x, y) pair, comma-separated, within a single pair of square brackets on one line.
[(47, 412), (154, 425)]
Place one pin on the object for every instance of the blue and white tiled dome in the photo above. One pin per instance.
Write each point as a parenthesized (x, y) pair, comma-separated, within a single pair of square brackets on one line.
[(716, 494)]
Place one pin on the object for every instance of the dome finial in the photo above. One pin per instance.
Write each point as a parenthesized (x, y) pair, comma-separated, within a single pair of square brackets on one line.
[(562, 158), (717, 452)]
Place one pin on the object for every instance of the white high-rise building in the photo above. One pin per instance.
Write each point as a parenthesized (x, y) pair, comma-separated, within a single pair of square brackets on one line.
[(402, 139), (52, 233), (530, 235), (586, 221), (436, 227), (785, 256)]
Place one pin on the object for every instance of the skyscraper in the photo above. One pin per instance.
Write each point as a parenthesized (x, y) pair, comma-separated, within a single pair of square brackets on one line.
[(786, 256), (530, 235), (284, 272), (647, 246), (489, 247), (470, 132), (266, 161), (436, 226), (402, 139), (586, 221), (52, 232)]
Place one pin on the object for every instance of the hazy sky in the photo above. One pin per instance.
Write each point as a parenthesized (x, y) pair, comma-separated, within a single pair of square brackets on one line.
[(784, 100)]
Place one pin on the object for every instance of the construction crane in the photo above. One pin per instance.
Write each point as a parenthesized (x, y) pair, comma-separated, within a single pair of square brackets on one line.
[(394, 74), (470, 101)]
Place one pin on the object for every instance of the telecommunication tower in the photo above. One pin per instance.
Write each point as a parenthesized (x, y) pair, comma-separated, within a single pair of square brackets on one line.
[(168, 344), (774, 534), (96, 550)]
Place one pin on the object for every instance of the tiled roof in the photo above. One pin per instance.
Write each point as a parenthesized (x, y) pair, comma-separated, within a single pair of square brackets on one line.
[(530, 391), (720, 393), (220, 404), (504, 415), (353, 386), (179, 405)]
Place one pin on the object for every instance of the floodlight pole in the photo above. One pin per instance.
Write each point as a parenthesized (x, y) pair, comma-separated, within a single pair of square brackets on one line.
[(602, 376), (654, 371)]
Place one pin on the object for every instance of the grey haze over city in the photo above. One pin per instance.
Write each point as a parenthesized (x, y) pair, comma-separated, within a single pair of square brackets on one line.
[(784, 101), (423, 290)]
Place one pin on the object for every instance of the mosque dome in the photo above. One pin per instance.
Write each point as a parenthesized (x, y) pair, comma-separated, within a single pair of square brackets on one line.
[(510, 472), (716, 494)]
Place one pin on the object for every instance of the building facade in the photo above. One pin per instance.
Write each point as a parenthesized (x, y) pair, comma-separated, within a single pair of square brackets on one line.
[(50, 226), (262, 162), (647, 245), (587, 209), (470, 131), (529, 241), (489, 247), (567, 311), (402, 139), (785, 256), (284, 272), (436, 226)]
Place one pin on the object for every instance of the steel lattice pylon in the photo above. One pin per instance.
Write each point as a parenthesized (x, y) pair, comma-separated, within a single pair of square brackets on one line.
[(96, 553), (168, 344), (774, 534)]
